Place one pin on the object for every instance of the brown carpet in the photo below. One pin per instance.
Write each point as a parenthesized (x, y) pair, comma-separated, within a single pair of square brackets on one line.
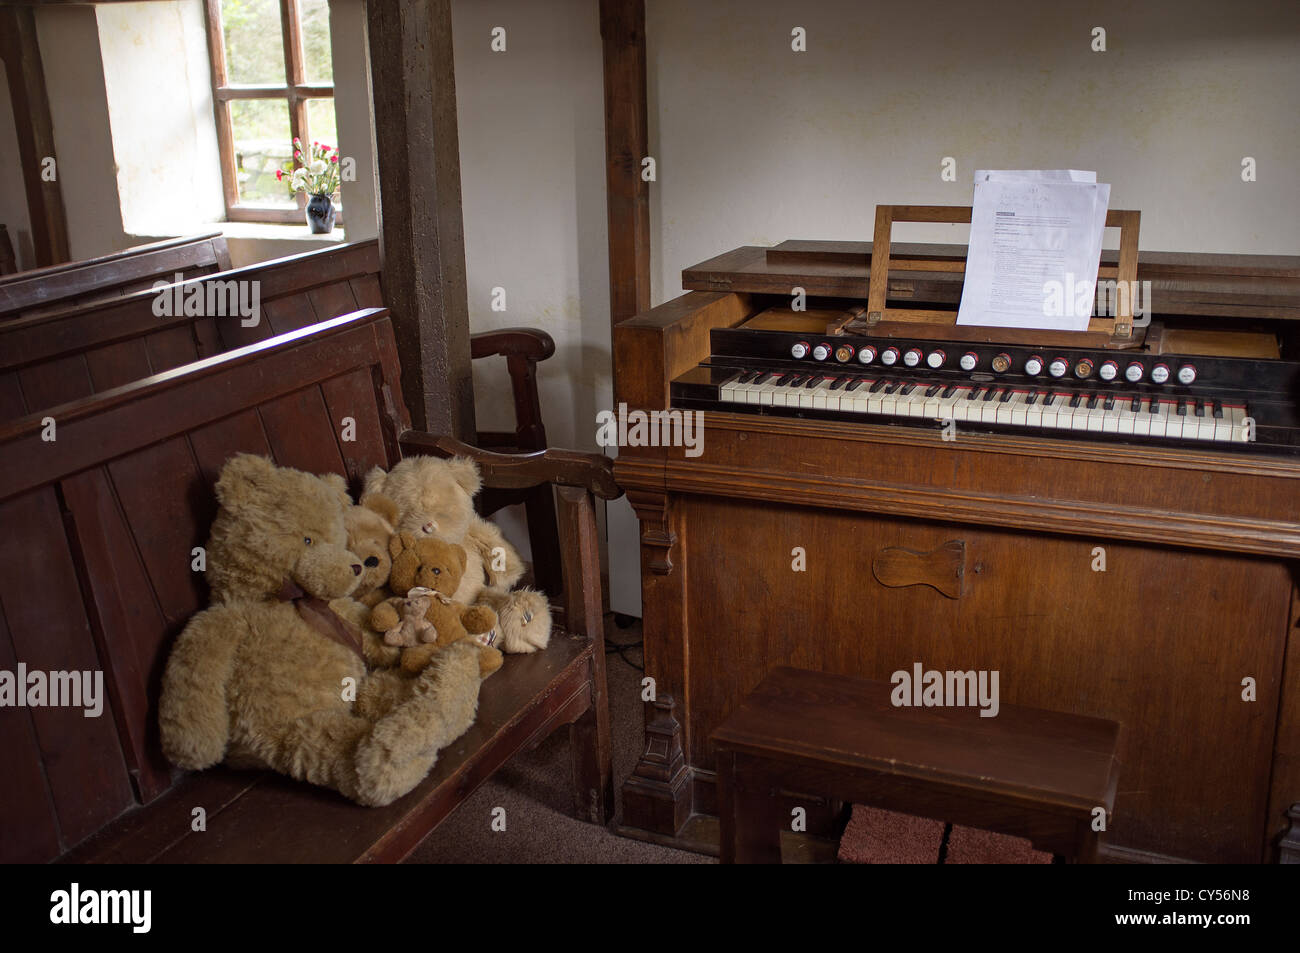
[(535, 789)]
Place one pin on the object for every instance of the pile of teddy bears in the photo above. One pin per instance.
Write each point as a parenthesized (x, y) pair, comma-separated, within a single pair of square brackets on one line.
[(345, 643)]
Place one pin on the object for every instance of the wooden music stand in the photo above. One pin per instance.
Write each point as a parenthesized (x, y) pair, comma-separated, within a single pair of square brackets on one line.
[(882, 320)]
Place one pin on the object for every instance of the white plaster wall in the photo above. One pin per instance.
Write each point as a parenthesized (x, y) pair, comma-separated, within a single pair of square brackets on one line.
[(757, 144), (158, 84), (83, 140), (352, 112), (531, 126)]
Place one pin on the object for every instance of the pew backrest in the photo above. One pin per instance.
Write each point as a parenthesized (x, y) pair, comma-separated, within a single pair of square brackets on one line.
[(54, 358), (104, 517), (78, 283)]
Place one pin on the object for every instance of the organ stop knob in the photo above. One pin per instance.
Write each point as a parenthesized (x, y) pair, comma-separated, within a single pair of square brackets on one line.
[(936, 358), (1034, 366), (867, 354), (890, 356), (912, 357), (1059, 367), (821, 352), (799, 350), (969, 361)]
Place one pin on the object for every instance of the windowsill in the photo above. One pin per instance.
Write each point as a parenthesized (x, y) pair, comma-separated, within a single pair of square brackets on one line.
[(269, 231), (253, 242)]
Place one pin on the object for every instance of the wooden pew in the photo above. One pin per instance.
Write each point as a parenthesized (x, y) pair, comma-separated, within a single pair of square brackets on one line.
[(78, 283), (96, 575), (53, 358)]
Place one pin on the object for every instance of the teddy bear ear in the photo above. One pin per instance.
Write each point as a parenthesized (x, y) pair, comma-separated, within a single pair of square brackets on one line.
[(465, 472), (382, 505), (375, 480), (242, 476), (338, 484)]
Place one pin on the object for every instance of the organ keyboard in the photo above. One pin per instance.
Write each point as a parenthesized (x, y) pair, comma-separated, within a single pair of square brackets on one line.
[(1112, 395)]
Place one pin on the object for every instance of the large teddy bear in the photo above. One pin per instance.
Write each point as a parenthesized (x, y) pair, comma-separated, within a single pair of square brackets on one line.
[(435, 497), (270, 676)]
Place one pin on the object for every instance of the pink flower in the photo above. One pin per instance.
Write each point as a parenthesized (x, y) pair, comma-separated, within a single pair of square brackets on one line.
[(279, 174), (334, 158), (297, 141)]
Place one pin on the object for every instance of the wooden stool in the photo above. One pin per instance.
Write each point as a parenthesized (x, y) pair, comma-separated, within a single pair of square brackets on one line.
[(1026, 772)]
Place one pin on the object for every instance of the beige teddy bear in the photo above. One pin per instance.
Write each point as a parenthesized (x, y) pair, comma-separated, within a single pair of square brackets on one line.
[(267, 675), (435, 497), (412, 626)]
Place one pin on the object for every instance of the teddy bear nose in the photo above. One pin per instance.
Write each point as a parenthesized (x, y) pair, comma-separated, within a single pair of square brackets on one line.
[(429, 527), (372, 561), (356, 569)]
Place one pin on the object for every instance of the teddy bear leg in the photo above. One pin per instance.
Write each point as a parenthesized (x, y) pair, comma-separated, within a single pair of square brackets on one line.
[(523, 619), (401, 748)]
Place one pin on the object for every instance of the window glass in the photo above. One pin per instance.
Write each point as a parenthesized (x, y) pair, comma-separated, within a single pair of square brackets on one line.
[(317, 64), (254, 42), (263, 143)]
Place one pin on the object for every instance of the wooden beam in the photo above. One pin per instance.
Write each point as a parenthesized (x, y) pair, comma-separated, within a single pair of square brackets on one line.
[(421, 229), (627, 143), (35, 128)]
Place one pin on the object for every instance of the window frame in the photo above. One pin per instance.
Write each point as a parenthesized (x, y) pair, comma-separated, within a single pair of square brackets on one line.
[(295, 91)]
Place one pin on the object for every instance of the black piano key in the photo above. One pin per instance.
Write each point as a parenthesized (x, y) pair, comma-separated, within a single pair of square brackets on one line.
[(974, 392), (838, 383), (1109, 403), (1154, 407), (1218, 410), (1180, 407), (1135, 404), (933, 389), (906, 389), (949, 391), (747, 377), (878, 386), (1075, 398), (785, 379), (1050, 399), (1006, 395), (1199, 407), (1031, 397), (892, 386), (797, 380), (813, 381), (1092, 401), (989, 394), (855, 383)]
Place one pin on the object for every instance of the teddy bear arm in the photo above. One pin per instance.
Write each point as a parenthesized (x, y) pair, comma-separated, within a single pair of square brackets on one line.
[(501, 562), (193, 714), (478, 619), (386, 615)]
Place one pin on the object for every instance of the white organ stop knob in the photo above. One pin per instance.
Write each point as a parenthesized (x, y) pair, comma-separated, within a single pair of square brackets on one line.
[(1034, 366), (890, 356), (1187, 374), (1108, 371), (936, 358), (799, 350), (1160, 373), (969, 361), (1058, 367), (821, 352)]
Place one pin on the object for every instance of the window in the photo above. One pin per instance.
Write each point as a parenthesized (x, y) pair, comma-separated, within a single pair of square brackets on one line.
[(272, 82)]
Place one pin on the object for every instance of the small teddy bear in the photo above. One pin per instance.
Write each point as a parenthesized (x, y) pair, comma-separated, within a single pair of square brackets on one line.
[(435, 566), (414, 628)]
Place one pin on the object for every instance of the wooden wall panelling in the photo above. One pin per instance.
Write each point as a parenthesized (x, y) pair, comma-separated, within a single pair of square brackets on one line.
[(301, 433), (31, 107), (29, 832), (353, 395), (50, 633), (627, 143), (421, 227)]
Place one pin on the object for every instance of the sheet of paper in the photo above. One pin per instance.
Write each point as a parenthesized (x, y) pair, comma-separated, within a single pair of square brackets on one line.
[(1034, 248)]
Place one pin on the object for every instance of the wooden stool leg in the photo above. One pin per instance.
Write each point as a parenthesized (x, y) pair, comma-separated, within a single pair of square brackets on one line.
[(749, 832)]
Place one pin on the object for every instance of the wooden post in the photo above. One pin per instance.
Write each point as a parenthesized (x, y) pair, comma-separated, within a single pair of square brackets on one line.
[(422, 241), (35, 128), (627, 143)]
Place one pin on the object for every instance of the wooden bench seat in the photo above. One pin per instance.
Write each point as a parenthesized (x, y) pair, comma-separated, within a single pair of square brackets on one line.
[(96, 574), (78, 283), (1030, 773), (280, 820)]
